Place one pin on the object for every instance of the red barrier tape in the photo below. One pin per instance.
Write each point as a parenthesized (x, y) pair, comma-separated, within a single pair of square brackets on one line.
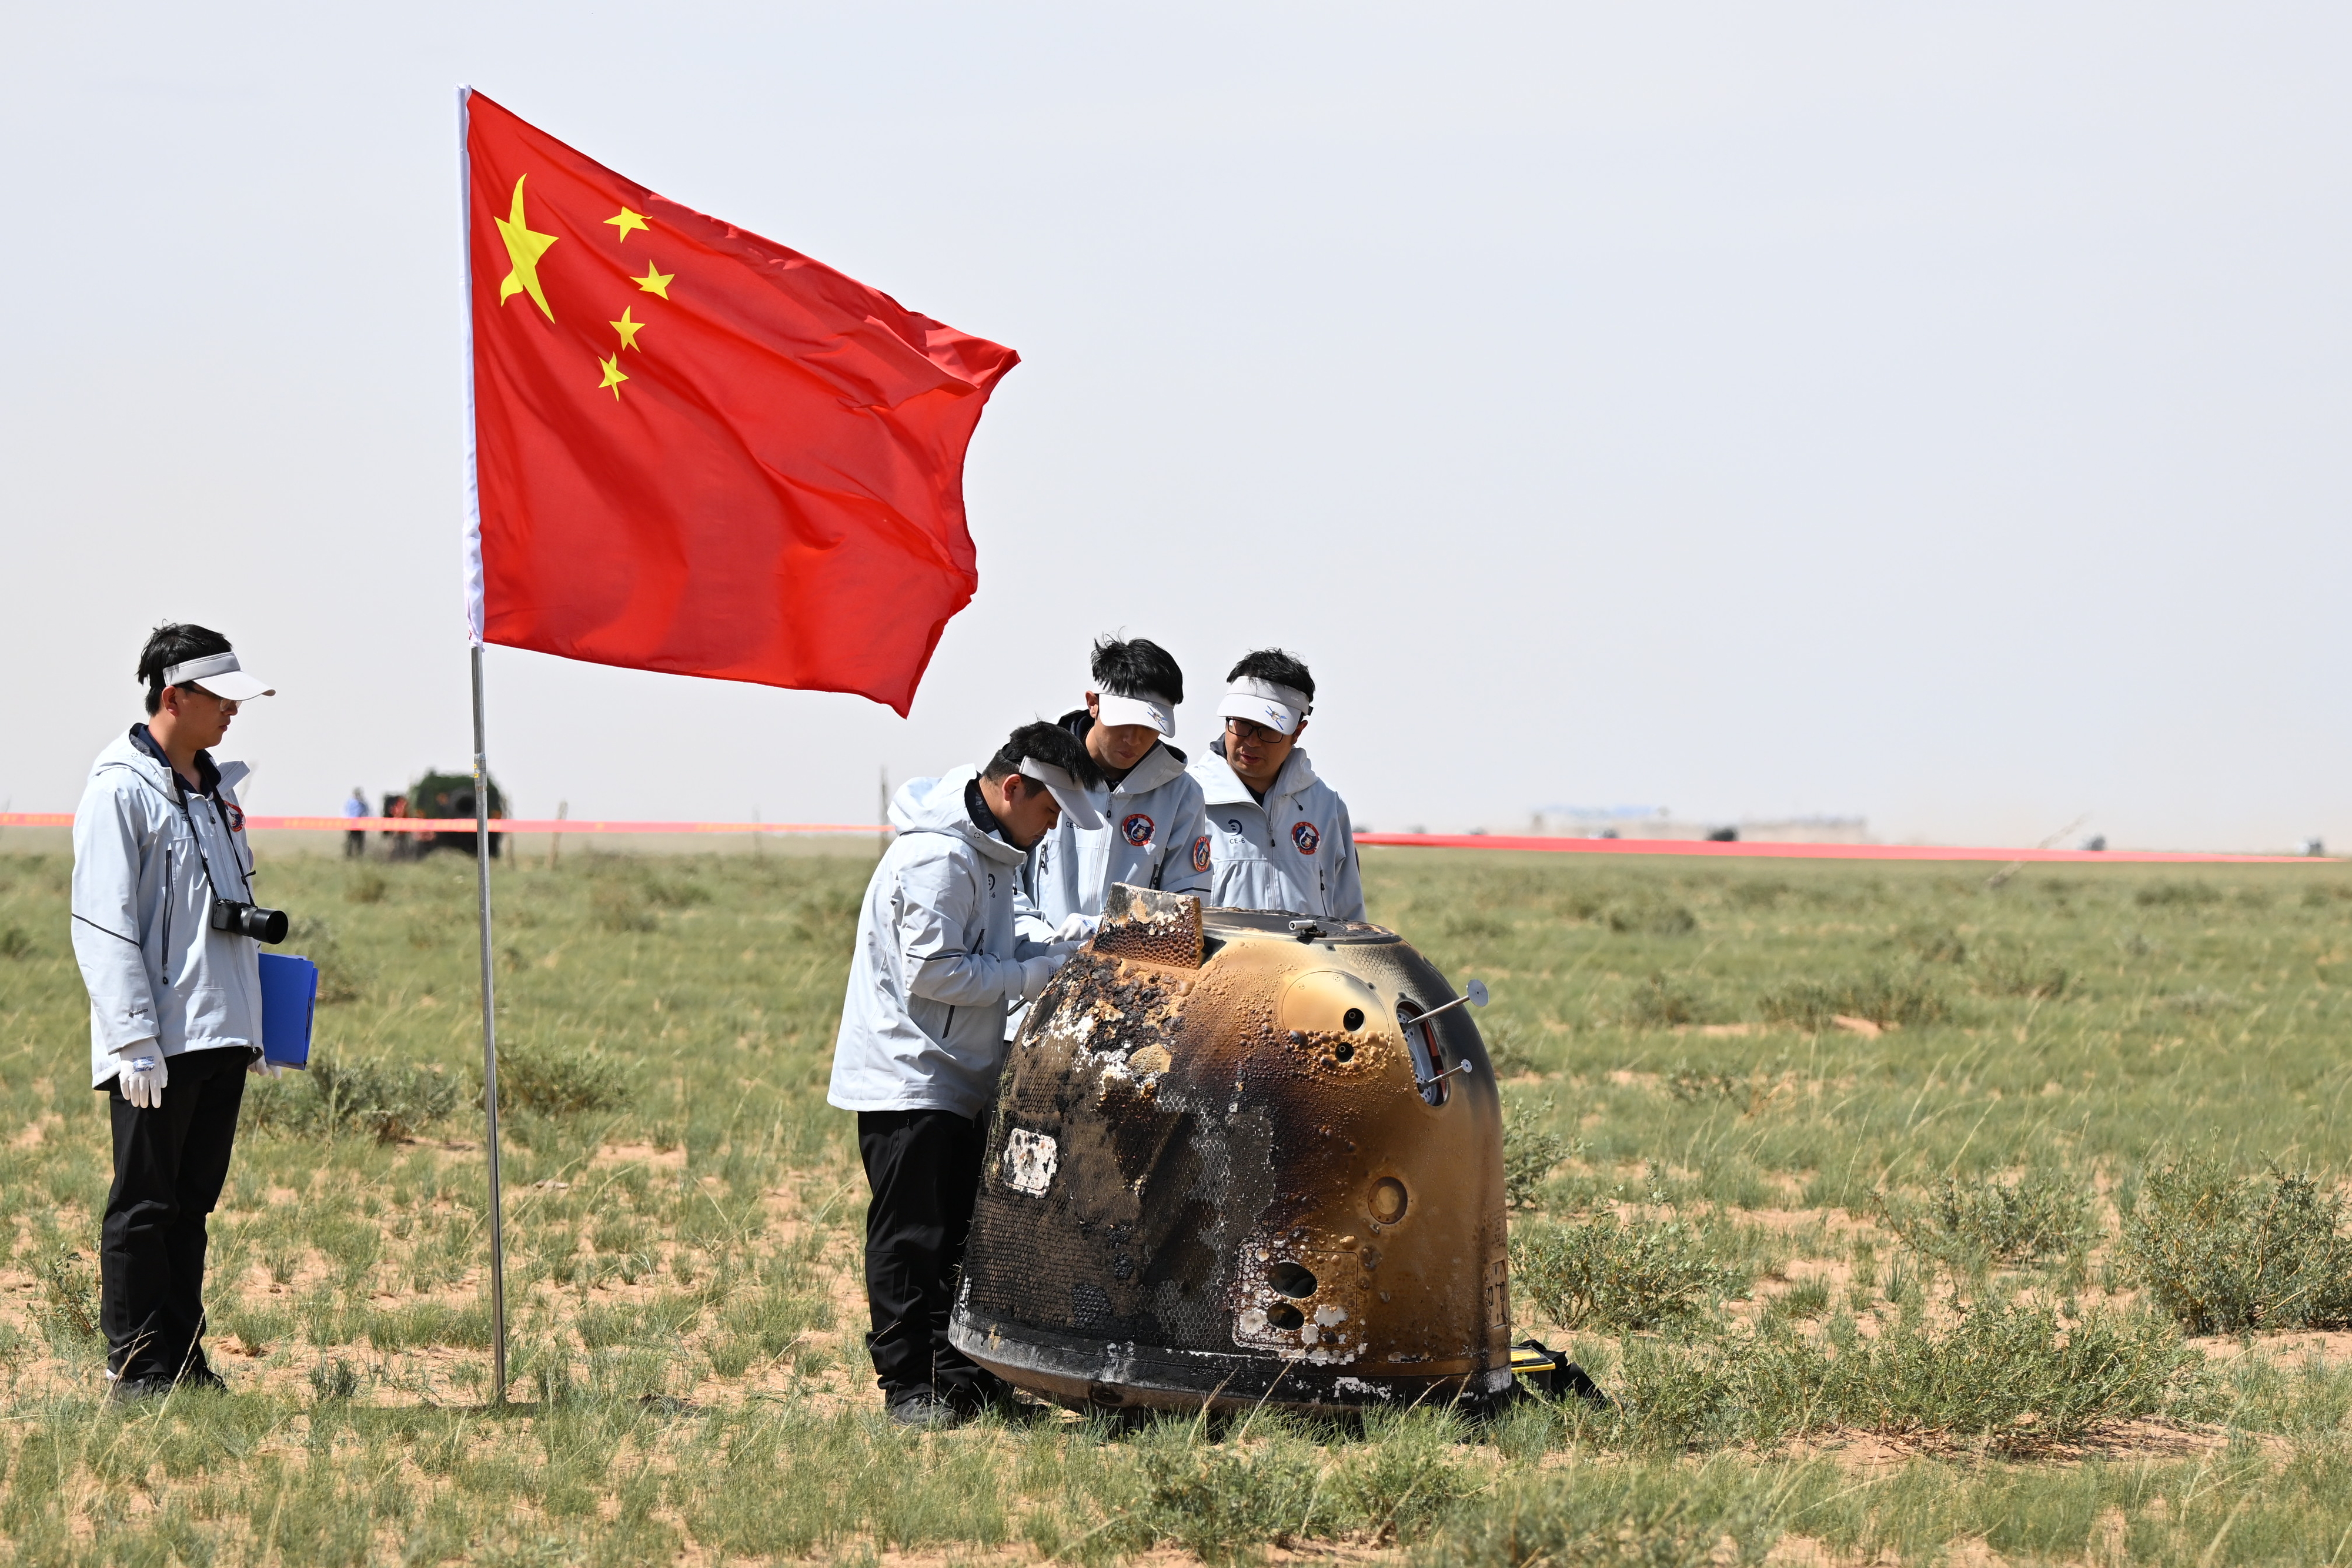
[(1406, 841), (1814, 852), (466, 825)]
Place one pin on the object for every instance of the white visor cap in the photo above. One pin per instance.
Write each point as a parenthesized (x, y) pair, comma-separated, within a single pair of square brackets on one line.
[(1077, 804), (1143, 708), (1262, 702), (220, 675)]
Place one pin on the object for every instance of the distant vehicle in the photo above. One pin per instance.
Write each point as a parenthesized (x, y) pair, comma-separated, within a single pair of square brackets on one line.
[(448, 795)]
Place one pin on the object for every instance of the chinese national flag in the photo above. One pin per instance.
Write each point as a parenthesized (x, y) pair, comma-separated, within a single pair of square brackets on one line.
[(696, 451)]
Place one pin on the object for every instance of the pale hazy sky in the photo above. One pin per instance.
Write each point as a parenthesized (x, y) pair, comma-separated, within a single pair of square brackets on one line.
[(1931, 412)]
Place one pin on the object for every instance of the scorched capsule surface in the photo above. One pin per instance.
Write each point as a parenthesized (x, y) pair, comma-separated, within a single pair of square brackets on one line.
[(1219, 1169)]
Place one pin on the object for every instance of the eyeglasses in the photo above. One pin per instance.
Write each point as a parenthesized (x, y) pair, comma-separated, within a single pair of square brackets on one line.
[(1250, 734), (192, 686)]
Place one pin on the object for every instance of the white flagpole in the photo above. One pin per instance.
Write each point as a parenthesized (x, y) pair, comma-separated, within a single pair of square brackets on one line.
[(490, 1044), (482, 782)]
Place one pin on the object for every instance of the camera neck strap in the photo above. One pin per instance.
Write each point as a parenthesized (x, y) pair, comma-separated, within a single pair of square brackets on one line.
[(180, 795)]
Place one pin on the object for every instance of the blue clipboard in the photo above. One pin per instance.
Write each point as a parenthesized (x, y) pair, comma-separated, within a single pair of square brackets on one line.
[(290, 993)]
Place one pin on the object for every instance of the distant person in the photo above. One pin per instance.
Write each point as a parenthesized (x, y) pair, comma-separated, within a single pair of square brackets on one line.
[(355, 841), (1153, 832), (938, 964), (174, 997), (1278, 836)]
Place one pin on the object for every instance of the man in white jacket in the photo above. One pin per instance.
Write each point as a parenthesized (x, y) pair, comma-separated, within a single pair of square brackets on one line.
[(938, 962), (174, 998), (1279, 837), (1153, 834)]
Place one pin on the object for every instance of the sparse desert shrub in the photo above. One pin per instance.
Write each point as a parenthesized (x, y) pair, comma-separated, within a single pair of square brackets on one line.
[(2223, 1252), (368, 886), (15, 943), (1604, 1273), (1652, 918), (1507, 1051), (1661, 1003), (1223, 1500), (554, 1082), (340, 979), (2017, 1375), (68, 1309), (2018, 972), (2201, 1002), (1886, 998), (1934, 943), (2036, 1218), (2189, 894), (1529, 1153), (1622, 1516), (620, 906), (386, 1101)]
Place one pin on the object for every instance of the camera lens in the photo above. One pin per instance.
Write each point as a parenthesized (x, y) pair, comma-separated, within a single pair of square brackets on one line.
[(266, 924)]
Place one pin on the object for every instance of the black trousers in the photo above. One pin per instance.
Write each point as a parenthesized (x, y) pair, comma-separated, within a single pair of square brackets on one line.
[(924, 1169), (355, 846), (168, 1165)]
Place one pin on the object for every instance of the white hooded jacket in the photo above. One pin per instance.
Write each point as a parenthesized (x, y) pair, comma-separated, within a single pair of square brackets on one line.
[(937, 962), (1154, 835), (156, 969), (1296, 852)]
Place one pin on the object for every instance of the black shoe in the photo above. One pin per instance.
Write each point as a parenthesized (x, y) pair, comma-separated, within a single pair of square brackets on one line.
[(203, 1379), (981, 1394), (132, 1390), (922, 1407)]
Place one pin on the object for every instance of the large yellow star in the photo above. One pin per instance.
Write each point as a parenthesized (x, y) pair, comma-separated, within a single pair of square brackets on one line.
[(654, 282), (628, 329), (628, 220), (523, 249), (613, 376)]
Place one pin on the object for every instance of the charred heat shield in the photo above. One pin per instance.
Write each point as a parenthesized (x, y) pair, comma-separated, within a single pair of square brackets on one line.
[(1229, 1163)]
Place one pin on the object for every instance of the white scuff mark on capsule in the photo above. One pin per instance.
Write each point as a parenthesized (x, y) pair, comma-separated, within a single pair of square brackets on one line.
[(1326, 1316), (1359, 1385), (1030, 1161)]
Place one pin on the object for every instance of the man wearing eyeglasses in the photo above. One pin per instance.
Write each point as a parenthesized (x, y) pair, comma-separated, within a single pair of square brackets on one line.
[(1279, 837), (174, 999)]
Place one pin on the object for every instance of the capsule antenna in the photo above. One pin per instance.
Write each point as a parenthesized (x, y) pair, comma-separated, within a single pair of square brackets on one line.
[(1474, 993)]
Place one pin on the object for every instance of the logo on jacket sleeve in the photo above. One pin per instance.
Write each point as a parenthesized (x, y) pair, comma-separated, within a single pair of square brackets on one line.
[(1200, 852), (1304, 835), (1137, 830)]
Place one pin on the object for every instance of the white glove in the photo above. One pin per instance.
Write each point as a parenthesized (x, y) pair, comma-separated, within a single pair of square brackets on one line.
[(143, 1075), (262, 1067), (1034, 973), (1078, 928)]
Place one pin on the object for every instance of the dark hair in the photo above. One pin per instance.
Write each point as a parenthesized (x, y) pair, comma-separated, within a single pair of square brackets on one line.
[(1273, 664), (1045, 743), (174, 642), (1132, 668)]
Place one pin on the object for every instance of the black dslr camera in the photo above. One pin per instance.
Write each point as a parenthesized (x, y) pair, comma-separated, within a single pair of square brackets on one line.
[(249, 920)]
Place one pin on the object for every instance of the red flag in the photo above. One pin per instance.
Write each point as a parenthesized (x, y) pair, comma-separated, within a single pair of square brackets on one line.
[(695, 450)]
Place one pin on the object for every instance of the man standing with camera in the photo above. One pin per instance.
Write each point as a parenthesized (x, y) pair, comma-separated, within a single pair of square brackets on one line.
[(167, 935)]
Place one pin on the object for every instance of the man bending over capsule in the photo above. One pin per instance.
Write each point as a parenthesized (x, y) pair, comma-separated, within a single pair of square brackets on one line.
[(938, 964)]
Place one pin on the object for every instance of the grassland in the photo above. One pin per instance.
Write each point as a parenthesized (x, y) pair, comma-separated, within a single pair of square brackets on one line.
[(1909, 1214)]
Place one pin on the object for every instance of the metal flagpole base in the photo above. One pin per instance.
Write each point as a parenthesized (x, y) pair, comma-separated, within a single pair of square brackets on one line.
[(490, 1049)]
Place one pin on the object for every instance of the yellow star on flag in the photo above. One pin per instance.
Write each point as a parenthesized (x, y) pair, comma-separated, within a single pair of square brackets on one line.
[(654, 282), (628, 220), (613, 376), (523, 249), (627, 328)]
